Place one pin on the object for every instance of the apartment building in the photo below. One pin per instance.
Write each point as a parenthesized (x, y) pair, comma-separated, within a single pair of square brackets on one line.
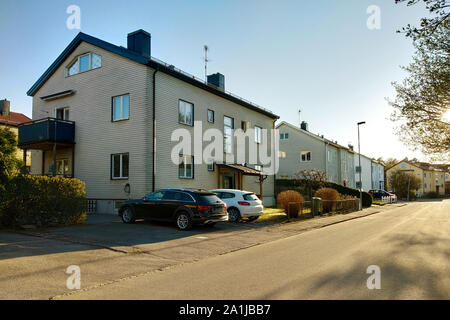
[(363, 171), (106, 114), (302, 150), (377, 170), (432, 179), (12, 120)]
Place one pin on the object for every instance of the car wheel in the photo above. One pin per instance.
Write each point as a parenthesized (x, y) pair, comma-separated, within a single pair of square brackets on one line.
[(183, 221), (128, 215), (234, 215)]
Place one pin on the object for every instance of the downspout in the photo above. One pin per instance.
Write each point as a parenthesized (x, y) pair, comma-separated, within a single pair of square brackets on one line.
[(274, 155), (154, 130)]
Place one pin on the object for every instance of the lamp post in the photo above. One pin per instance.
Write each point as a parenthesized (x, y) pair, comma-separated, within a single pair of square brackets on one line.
[(360, 168)]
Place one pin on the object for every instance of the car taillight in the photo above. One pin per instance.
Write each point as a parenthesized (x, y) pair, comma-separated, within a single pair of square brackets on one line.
[(244, 203), (204, 208)]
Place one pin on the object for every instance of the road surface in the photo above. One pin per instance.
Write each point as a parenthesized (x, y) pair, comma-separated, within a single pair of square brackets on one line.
[(410, 245)]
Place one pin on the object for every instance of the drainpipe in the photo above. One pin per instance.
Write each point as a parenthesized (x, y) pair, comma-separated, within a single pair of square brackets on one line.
[(274, 155), (154, 130)]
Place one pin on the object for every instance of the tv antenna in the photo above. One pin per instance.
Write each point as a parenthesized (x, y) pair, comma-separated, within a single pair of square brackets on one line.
[(299, 117), (205, 48)]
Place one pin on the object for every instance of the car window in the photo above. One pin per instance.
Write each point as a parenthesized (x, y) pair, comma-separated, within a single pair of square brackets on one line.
[(186, 197), (227, 195), (155, 195), (172, 195), (209, 199), (250, 197)]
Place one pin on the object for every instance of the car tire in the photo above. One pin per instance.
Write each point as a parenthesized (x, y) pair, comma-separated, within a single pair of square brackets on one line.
[(234, 215), (128, 215), (183, 221)]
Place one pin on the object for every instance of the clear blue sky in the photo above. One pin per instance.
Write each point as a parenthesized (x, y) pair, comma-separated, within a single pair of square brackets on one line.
[(318, 56)]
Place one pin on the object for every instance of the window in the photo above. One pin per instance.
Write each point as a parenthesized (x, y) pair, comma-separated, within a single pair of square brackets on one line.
[(403, 165), (121, 108), (158, 195), (228, 126), (179, 196), (424, 175), (358, 169), (119, 166), (281, 154), (62, 113), (259, 168), (306, 156), (84, 63), (210, 116), (358, 185), (245, 125), (258, 134), (227, 195), (186, 168), (211, 166), (185, 113), (62, 167), (284, 136)]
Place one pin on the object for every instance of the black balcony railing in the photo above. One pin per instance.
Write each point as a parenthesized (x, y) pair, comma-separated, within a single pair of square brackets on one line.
[(39, 134)]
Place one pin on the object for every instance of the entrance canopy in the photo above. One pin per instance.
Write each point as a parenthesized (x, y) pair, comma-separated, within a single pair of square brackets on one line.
[(230, 176)]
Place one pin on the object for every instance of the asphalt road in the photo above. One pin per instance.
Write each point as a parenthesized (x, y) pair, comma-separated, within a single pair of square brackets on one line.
[(410, 245)]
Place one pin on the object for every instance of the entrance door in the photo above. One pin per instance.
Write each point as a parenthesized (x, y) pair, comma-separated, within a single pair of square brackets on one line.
[(228, 181), (437, 189)]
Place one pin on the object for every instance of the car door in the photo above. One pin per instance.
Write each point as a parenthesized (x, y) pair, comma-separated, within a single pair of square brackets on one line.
[(149, 207), (169, 203)]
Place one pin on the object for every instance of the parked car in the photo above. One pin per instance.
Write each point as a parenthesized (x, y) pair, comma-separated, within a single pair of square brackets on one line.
[(184, 207), (240, 204), (379, 194)]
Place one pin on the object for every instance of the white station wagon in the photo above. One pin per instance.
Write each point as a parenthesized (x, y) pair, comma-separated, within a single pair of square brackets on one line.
[(240, 204)]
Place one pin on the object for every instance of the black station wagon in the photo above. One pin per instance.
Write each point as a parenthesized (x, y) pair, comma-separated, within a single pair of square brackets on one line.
[(184, 207)]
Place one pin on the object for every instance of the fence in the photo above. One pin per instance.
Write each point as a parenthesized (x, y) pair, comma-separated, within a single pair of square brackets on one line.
[(296, 209)]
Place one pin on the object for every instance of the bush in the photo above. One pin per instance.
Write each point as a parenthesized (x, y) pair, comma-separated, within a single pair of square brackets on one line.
[(42, 201), (285, 197), (432, 195), (329, 197), (299, 185)]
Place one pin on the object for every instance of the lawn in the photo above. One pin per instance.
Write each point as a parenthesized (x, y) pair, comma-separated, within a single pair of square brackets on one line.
[(277, 215)]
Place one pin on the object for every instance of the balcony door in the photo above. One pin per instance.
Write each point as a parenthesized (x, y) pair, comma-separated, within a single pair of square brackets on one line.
[(62, 113)]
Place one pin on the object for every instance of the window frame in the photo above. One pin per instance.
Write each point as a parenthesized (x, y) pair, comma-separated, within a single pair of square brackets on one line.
[(121, 177), (258, 134), (64, 161), (192, 167), (306, 152), (186, 124), (121, 107), (64, 109), (225, 135), (77, 60), (213, 116), (213, 168)]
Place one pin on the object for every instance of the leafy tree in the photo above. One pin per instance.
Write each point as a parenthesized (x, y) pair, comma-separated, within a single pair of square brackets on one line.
[(9, 164), (399, 181), (423, 98)]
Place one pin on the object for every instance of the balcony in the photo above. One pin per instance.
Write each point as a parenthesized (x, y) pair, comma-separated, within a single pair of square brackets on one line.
[(45, 133)]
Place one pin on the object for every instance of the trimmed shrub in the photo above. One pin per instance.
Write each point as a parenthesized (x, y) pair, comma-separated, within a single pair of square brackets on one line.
[(42, 201), (286, 197), (299, 185), (432, 195), (329, 197)]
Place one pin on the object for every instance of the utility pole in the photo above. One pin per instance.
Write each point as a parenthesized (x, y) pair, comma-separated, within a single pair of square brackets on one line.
[(360, 168)]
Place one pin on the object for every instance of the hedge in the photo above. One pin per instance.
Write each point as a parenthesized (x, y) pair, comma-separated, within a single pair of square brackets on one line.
[(299, 185), (42, 201)]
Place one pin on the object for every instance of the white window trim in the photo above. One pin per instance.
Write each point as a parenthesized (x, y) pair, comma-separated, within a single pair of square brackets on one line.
[(64, 112), (185, 164), (121, 177), (77, 59), (306, 158), (231, 135), (121, 107)]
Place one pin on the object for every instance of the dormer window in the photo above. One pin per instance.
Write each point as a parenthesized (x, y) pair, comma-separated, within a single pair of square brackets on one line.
[(84, 62)]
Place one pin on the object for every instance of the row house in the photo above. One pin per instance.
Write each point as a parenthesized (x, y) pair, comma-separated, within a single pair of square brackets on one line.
[(106, 114)]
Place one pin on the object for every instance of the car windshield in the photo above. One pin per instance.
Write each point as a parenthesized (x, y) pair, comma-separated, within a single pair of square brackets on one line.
[(209, 199), (250, 197)]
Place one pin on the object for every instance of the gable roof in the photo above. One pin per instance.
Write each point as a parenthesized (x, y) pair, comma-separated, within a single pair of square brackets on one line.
[(150, 62), (420, 165), (14, 119), (300, 130)]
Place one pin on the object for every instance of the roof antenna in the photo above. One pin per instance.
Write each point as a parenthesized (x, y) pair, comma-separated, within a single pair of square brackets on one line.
[(205, 47), (299, 118)]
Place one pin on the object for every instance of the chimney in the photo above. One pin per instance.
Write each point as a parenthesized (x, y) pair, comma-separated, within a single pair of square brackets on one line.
[(217, 80), (140, 42), (350, 146), (4, 107), (304, 125)]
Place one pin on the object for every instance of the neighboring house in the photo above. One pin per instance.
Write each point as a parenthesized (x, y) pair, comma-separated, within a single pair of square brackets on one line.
[(116, 109), (432, 179), (377, 175), (299, 150), (366, 174), (446, 169), (12, 120), (303, 150)]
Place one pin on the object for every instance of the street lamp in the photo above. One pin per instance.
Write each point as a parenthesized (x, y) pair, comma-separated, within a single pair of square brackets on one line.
[(360, 168)]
